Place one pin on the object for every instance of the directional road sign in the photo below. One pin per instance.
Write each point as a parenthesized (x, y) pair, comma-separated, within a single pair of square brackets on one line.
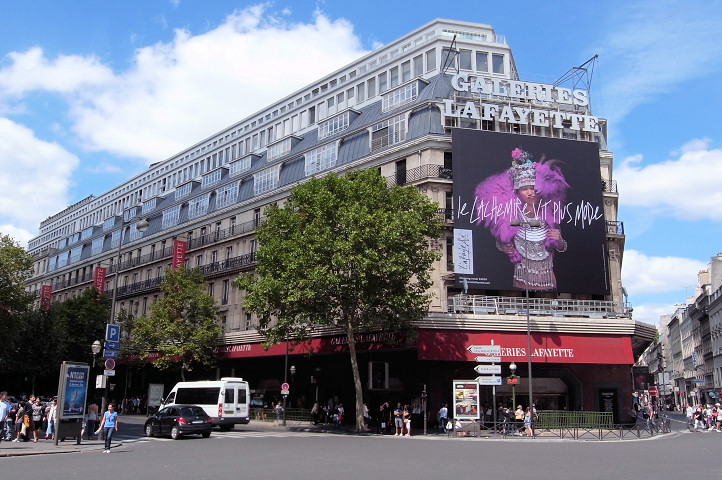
[(484, 349), (489, 380), (488, 359), (488, 369), (110, 353), (113, 345)]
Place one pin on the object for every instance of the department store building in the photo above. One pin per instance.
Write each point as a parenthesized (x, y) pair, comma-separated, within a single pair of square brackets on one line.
[(442, 109)]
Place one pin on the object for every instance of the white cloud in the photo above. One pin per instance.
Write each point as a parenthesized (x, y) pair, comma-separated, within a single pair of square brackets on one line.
[(653, 47), (650, 313), (180, 92), (642, 274), (34, 179), (686, 188)]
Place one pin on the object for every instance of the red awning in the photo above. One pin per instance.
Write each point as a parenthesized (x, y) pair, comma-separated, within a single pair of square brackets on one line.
[(451, 345)]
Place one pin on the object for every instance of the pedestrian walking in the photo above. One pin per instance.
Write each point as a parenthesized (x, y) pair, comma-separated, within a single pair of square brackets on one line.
[(442, 417), (51, 412), (399, 420), (4, 412), (109, 425)]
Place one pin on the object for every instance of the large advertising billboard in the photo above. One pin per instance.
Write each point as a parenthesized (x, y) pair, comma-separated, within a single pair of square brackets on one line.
[(529, 214)]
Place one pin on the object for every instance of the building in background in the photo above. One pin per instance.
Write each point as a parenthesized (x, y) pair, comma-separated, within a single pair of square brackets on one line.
[(442, 109), (688, 350)]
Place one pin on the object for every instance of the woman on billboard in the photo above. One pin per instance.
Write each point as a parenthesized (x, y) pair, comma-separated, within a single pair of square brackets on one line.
[(530, 197)]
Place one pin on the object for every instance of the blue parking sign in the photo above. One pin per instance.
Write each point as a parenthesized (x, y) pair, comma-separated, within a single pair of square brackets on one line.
[(112, 333)]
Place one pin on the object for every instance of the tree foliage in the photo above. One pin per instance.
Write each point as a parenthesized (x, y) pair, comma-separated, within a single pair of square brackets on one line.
[(346, 252), (16, 266), (182, 328), (80, 321)]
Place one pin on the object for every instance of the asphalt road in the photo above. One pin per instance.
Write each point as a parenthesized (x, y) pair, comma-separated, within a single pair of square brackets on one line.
[(274, 453)]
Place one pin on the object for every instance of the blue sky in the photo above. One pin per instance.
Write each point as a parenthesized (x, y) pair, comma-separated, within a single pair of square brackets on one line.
[(92, 92)]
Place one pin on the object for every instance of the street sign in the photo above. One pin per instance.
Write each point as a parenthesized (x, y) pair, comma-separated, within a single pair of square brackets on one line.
[(110, 364), (488, 359), (112, 333), (284, 392), (113, 345), (653, 391), (489, 380), (698, 380), (512, 380), (285, 386), (488, 369), (109, 373), (484, 349), (110, 353)]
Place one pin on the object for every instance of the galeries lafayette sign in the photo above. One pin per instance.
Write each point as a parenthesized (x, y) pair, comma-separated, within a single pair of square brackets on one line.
[(546, 347), (546, 99)]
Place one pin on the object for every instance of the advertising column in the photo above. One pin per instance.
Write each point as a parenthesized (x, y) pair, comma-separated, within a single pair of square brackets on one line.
[(72, 394)]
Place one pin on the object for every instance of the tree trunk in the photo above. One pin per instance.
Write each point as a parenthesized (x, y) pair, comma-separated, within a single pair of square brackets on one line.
[(360, 425)]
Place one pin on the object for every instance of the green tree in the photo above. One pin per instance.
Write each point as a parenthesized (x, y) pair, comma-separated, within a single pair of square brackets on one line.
[(346, 252), (182, 328), (80, 321), (16, 266)]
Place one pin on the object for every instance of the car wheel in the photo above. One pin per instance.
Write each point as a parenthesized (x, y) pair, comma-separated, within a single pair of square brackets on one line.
[(206, 434), (175, 433), (149, 430)]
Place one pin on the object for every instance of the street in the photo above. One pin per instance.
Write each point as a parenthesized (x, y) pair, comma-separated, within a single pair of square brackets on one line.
[(275, 453)]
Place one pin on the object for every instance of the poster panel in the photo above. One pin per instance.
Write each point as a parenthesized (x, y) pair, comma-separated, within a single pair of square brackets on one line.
[(466, 399), (552, 188), (155, 394), (72, 390)]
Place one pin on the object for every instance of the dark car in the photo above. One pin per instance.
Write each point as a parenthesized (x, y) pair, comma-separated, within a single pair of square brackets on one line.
[(179, 420)]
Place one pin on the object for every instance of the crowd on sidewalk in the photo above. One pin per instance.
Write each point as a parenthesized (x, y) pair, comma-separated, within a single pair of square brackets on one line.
[(27, 419)]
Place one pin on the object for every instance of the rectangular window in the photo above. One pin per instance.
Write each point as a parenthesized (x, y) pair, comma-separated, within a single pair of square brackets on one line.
[(418, 65), (371, 88), (360, 93), (406, 71), (394, 77), (321, 158), (87, 233), (383, 86), (198, 206), (430, 60), (239, 166), (266, 180), (448, 58), (75, 253), (482, 62), (211, 178), (115, 239), (171, 216), (333, 125), (148, 206), (97, 246), (497, 63), (465, 59), (279, 149), (226, 195), (183, 190), (388, 132), (400, 96), (224, 294), (108, 224)]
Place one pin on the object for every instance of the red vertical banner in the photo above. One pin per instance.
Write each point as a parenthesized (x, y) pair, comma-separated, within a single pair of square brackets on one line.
[(46, 292), (179, 254), (99, 279)]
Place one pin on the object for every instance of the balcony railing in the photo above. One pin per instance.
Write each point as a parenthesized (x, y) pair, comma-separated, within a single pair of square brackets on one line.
[(481, 304), (419, 173), (226, 266)]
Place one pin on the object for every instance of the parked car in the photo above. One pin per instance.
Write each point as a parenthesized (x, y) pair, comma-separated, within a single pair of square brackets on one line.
[(179, 420)]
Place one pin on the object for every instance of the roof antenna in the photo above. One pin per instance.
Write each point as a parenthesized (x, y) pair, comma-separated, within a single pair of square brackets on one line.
[(447, 62)]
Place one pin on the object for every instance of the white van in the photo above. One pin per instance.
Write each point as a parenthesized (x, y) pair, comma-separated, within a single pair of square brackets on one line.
[(226, 400)]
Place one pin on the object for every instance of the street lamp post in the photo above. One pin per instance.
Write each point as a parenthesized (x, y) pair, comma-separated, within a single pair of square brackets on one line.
[(526, 224), (141, 225), (95, 348)]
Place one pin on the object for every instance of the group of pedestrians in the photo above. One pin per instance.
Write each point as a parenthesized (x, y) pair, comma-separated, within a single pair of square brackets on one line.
[(705, 418), (27, 420)]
